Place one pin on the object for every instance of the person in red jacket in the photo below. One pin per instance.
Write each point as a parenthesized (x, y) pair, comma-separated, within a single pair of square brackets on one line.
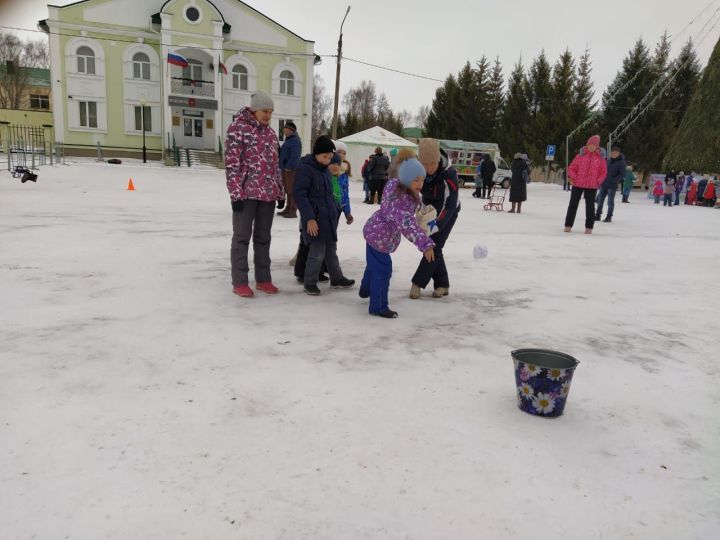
[(586, 172)]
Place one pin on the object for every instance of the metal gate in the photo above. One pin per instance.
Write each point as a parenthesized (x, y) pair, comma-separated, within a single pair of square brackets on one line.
[(26, 147)]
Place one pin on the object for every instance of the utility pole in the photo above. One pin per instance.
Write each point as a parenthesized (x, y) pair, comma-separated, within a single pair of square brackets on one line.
[(337, 79)]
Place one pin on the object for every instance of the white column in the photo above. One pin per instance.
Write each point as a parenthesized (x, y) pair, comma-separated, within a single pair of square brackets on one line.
[(57, 81), (165, 39), (308, 89), (217, 55)]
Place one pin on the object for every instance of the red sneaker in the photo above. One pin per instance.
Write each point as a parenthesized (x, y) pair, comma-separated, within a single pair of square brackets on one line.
[(244, 290), (266, 287)]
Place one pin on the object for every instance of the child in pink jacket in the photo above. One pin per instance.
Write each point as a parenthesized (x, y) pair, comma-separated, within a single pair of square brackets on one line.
[(586, 172)]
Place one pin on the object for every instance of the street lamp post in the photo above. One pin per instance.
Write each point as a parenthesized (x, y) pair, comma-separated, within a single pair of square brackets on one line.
[(337, 79), (142, 121)]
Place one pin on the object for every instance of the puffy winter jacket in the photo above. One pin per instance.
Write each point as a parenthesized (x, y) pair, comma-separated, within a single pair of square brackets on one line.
[(396, 216), (615, 172), (251, 160), (290, 152), (313, 195), (588, 169), (441, 191), (378, 166)]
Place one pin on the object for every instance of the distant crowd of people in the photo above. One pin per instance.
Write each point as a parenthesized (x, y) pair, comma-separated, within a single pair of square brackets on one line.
[(697, 189), (418, 197)]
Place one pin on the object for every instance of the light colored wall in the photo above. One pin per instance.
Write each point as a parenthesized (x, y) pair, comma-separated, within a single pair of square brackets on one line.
[(119, 94)]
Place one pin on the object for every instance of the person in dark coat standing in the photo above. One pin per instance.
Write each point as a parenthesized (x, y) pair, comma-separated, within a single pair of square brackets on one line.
[(616, 167), (289, 160), (518, 183), (487, 173), (377, 171), (319, 215)]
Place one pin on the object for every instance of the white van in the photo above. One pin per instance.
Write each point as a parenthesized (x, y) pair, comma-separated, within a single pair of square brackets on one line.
[(466, 156)]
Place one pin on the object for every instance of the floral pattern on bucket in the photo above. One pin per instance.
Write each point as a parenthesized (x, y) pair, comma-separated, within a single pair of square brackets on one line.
[(542, 391)]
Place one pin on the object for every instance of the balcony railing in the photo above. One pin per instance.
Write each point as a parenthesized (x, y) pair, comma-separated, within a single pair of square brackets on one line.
[(192, 87)]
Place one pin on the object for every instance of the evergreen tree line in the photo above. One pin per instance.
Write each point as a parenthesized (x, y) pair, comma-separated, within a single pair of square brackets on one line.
[(542, 104), (696, 146)]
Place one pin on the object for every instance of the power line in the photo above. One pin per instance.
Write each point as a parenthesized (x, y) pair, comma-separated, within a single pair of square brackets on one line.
[(666, 81), (391, 69)]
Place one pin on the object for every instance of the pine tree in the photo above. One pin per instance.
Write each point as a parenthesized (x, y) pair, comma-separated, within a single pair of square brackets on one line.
[(515, 118), (563, 83), (485, 116), (656, 127), (467, 116), (583, 93), (496, 100), (540, 107), (685, 82), (696, 143), (630, 85), (442, 122)]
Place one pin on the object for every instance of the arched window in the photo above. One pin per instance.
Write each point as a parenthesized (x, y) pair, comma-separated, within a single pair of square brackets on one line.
[(85, 60), (141, 66), (287, 83), (240, 77)]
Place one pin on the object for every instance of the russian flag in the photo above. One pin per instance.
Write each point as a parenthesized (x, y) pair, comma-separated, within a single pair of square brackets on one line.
[(177, 60)]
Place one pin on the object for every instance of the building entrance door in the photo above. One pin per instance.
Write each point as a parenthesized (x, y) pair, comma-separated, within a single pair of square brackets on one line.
[(193, 134)]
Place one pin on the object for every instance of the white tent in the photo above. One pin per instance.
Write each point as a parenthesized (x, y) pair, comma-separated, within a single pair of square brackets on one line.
[(361, 145)]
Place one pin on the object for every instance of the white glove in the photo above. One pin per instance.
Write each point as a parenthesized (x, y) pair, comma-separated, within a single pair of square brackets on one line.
[(426, 218)]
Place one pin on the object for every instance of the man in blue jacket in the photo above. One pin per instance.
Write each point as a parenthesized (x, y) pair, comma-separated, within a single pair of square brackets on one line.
[(289, 160), (615, 175), (441, 191)]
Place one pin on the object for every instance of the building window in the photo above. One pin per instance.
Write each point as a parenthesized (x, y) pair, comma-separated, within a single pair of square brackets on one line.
[(192, 75), (39, 102), (287, 83), (139, 119), (88, 114), (193, 14), (240, 77), (85, 60), (141, 66)]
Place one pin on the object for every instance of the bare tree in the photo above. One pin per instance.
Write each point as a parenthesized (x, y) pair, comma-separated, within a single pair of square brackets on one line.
[(422, 115), (322, 104), (14, 56), (361, 102)]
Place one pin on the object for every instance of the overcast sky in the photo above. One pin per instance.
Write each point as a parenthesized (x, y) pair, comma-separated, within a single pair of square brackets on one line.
[(437, 38)]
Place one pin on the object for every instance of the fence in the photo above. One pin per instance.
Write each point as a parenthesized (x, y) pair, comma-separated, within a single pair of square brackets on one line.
[(25, 146)]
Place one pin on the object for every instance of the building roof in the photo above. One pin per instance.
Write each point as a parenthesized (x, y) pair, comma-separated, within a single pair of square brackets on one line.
[(377, 136), (414, 132), (35, 76), (44, 23)]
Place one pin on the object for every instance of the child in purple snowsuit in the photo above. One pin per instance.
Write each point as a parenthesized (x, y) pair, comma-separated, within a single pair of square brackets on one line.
[(400, 201)]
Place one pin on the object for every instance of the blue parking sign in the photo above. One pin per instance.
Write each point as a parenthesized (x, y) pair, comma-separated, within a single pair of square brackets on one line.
[(550, 150)]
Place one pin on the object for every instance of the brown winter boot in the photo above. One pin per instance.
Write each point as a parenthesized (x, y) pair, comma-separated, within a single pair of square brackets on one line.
[(440, 292), (415, 292)]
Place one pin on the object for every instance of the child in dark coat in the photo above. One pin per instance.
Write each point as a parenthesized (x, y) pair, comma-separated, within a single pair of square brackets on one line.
[(319, 214)]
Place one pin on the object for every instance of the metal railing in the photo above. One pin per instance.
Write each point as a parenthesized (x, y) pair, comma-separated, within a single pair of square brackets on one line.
[(192, 87)]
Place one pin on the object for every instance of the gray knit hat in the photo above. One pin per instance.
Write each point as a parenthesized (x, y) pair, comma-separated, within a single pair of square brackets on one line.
[(261, 101)]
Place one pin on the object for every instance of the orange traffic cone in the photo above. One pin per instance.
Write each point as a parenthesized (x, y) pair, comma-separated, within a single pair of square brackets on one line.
[(130, 186)]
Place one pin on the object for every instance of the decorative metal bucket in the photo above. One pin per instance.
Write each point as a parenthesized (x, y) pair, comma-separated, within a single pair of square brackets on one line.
[(542, 380)]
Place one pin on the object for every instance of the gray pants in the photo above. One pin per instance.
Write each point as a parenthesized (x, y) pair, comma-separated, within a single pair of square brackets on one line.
[(319, 252), (260, 214)]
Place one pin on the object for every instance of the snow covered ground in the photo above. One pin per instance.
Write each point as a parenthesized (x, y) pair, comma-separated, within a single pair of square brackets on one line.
[(139, 398)]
